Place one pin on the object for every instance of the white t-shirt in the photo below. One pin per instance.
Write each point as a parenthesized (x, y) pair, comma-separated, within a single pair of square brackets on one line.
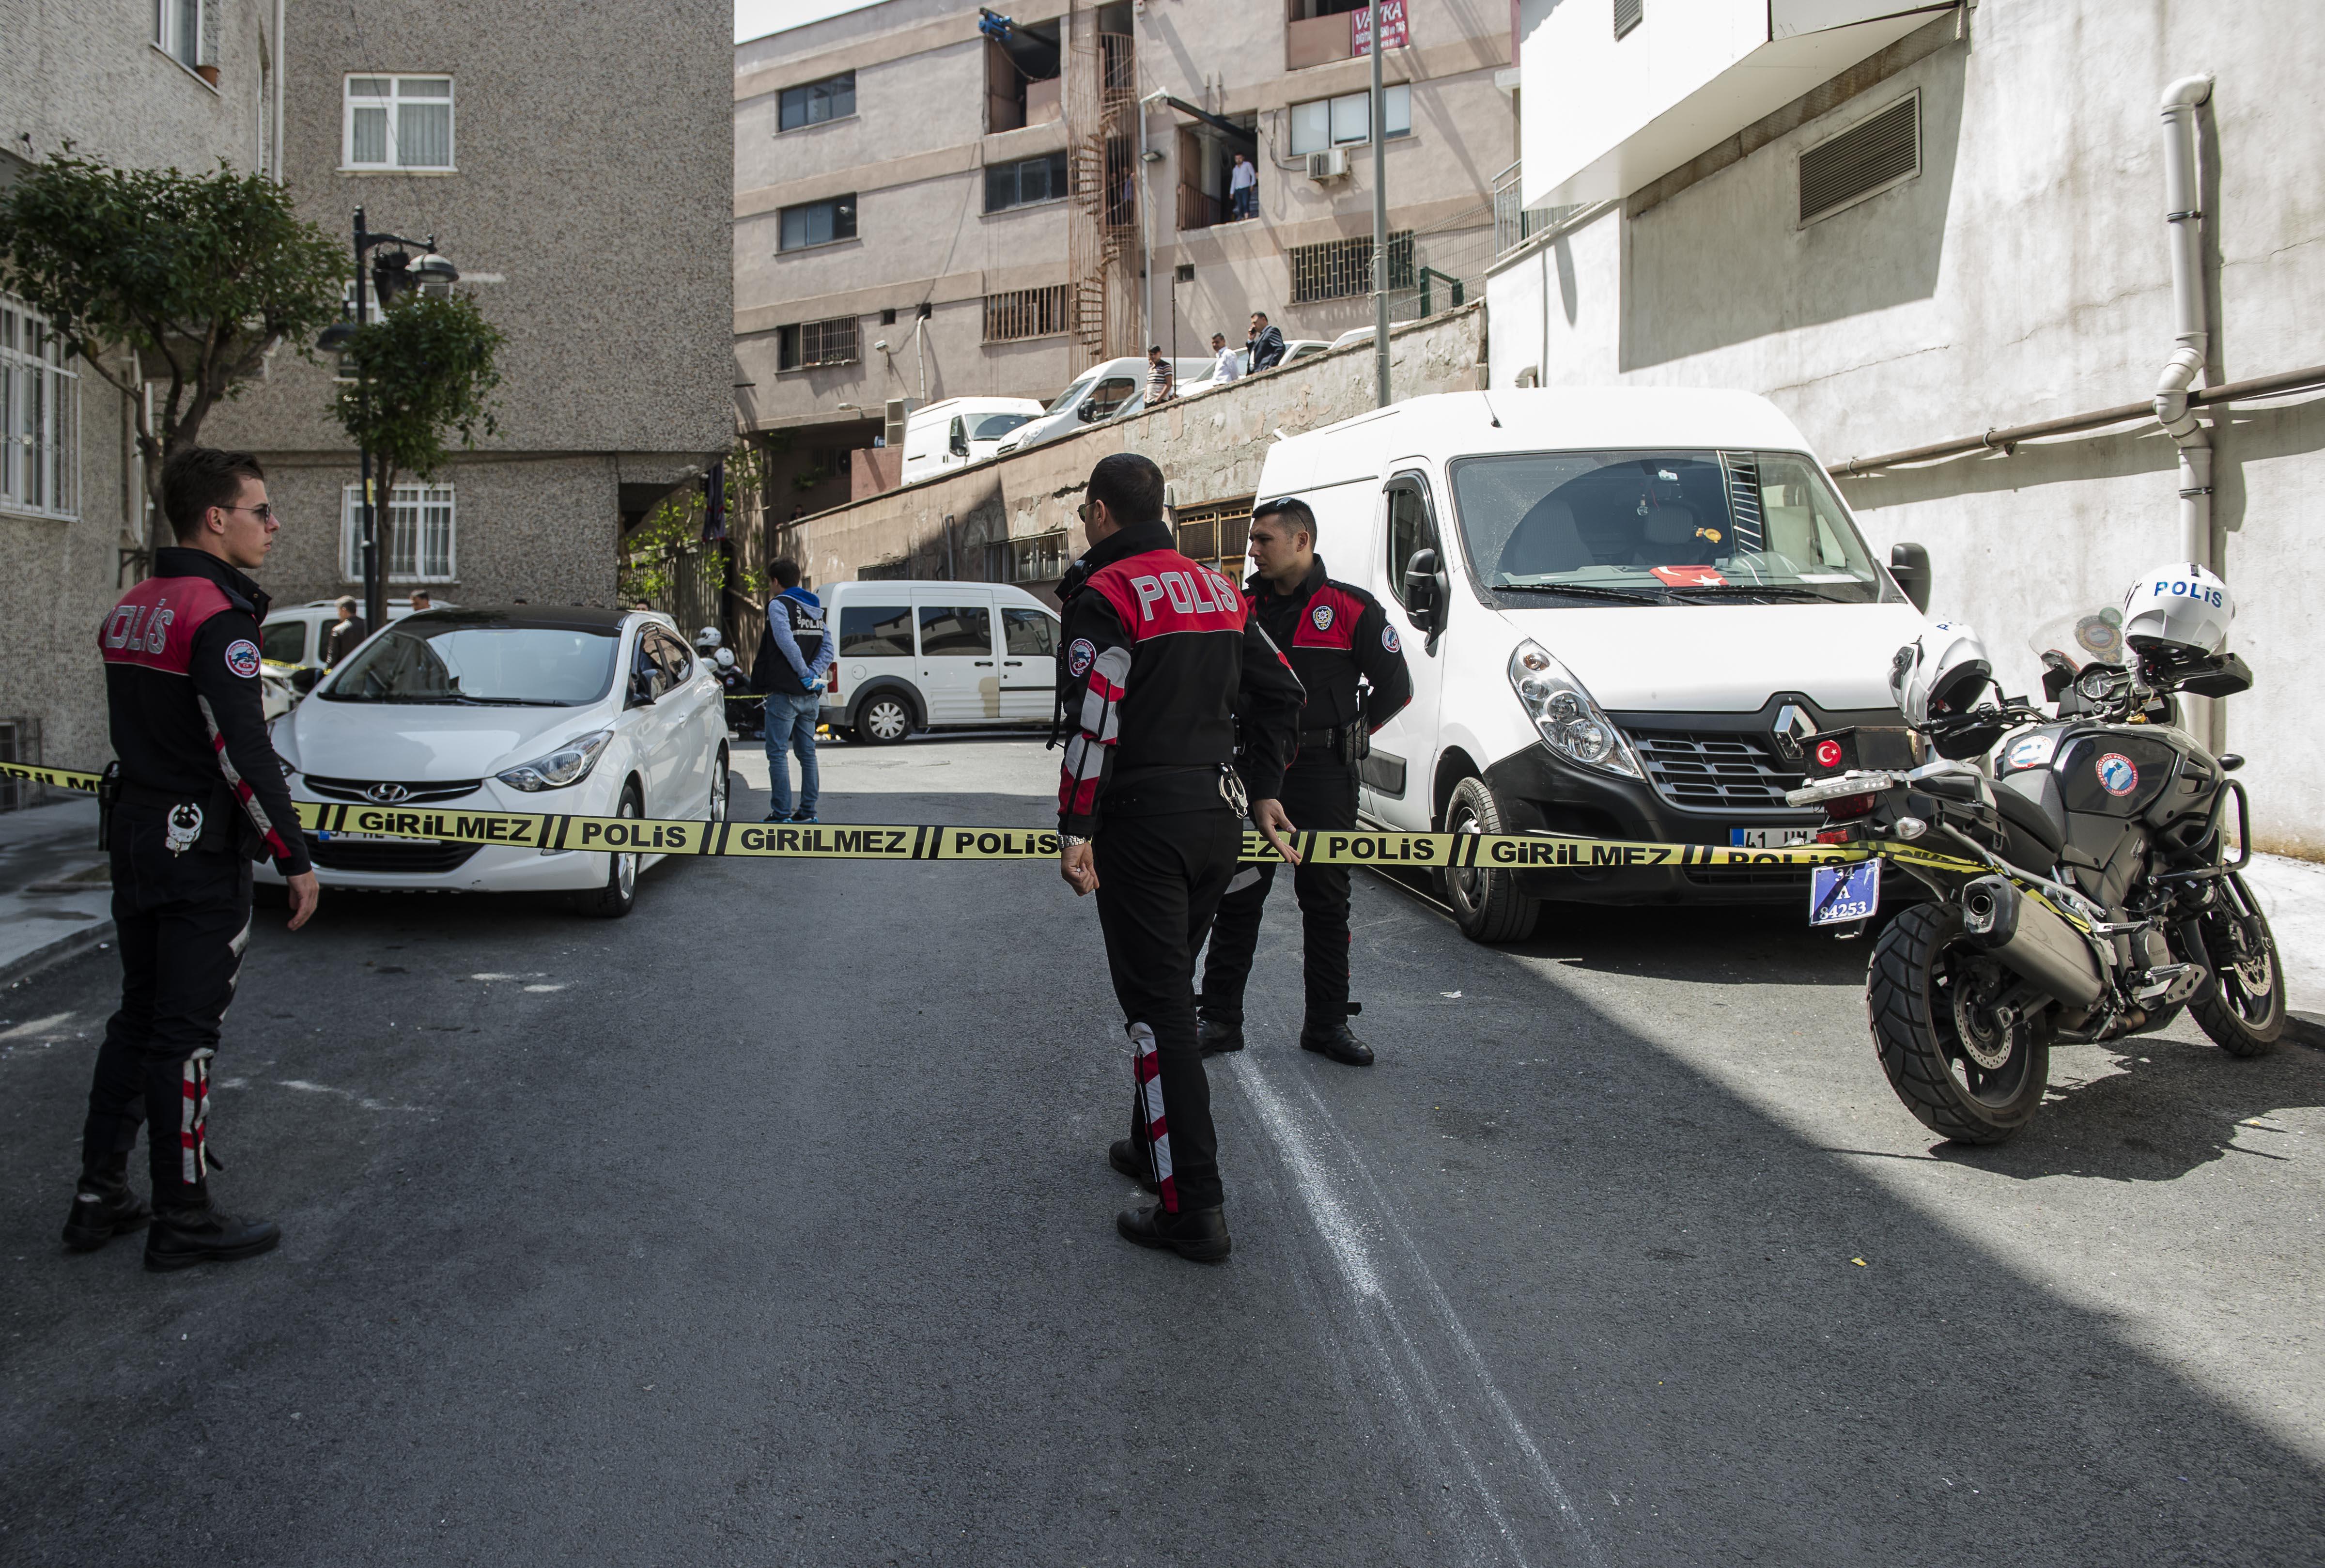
[(1228, 366), (1244, 174)]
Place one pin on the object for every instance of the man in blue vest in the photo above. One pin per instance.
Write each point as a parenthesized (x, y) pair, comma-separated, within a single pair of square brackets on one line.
[(793, 657)]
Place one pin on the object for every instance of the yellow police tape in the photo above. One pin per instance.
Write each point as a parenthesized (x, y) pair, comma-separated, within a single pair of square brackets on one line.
[(554, 831)]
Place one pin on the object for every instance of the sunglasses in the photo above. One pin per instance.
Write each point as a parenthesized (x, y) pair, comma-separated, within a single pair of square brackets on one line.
[(265, 510)]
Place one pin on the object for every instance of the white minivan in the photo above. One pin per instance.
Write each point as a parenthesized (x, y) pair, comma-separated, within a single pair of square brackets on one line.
[(958, 431), (1623, 607), (936, 655), (1116, 387)]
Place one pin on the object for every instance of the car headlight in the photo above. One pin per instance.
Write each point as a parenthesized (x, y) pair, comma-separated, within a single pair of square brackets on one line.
[(570, 764), (1571, 723)]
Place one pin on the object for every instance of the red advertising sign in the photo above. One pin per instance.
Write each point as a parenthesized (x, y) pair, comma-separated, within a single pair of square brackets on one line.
[(1393, 28)]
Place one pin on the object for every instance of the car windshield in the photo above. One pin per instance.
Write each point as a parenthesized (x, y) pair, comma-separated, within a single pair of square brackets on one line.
[(1671, 528), (994, 426), (449, 659), (1065, 400)]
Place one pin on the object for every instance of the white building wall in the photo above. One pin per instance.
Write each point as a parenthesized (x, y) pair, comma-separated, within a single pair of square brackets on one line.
[(2021, 275)]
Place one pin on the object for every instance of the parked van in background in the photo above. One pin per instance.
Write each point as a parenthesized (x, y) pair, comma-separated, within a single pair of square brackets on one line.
[(293, 633), (1096, 396), (1623, 609), (958, 431), (936, 655)]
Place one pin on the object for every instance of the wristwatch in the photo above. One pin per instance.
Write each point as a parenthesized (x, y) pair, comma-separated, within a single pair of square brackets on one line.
[(1069, 840)]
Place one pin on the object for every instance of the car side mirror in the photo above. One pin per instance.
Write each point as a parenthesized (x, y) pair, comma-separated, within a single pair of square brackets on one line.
[(304, 679), (1909, 565), (640, 690)]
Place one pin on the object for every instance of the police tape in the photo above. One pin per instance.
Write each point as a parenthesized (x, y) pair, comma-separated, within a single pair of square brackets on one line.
[(551, 832)]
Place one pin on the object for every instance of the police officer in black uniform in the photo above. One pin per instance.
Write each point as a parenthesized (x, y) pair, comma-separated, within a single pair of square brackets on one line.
[(1340, 643), (1163, 665), (198, 797)]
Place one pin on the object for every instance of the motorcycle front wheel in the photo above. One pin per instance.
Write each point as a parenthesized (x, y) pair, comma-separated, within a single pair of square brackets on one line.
[(1929, 998), (2242, 1006)]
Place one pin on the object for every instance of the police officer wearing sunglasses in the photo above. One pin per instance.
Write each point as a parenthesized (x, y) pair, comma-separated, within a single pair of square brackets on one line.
[(1346, 655)]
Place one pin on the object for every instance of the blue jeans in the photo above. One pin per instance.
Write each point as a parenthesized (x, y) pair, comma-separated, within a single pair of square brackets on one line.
[(1246, 203), (791, 727)]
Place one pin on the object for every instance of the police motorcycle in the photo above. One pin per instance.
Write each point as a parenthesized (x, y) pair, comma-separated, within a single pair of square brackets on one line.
[(2085, 886), (746, 709)]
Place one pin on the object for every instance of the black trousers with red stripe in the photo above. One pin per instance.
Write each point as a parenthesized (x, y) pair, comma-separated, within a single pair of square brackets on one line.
[(1320, 798), (1159, 880), (184, 920)]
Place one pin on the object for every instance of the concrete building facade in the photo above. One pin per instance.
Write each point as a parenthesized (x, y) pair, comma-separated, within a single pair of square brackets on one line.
[(922, 211), (594, 240), (2002, 258), (125, 82)]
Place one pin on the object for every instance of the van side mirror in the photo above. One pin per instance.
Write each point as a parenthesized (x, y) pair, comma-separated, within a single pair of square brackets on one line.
[(960, 440), (1087, 413), (1426, 588), (1909, 565), (304, 678)]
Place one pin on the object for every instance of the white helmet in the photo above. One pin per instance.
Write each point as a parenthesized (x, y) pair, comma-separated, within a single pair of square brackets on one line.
[(1940, 673), (2180, 603), (707, 639), (723, 659)]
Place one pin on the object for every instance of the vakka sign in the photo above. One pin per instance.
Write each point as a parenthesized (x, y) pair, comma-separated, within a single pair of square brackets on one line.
[(1393, 27)]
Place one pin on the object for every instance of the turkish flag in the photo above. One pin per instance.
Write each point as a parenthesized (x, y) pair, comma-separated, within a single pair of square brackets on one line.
[(1690, 576)]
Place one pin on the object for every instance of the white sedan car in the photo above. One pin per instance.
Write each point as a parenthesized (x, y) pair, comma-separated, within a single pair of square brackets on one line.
[(527, 708)]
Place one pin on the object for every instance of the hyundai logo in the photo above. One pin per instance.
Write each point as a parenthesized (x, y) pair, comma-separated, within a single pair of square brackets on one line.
[(387, 794), (1793, 726)]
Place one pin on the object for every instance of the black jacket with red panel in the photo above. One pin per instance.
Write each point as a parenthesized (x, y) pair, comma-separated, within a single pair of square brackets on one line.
[(188, 720), (1163, 667), (1336, 634)]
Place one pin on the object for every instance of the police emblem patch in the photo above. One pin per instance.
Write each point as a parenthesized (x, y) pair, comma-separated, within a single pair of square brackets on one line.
[(1080, 656), (242, 658), (1322, 616), (2118, 776), (1388, 640)]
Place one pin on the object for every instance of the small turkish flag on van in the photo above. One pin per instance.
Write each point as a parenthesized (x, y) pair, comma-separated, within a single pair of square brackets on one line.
[(1690, 576)]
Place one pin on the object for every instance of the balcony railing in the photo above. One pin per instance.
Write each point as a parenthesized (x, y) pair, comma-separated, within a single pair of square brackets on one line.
[(1199, 210)]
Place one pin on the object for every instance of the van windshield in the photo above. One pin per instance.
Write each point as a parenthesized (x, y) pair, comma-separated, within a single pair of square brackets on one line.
[(1669, 527), (1065, 400), (994, 426)]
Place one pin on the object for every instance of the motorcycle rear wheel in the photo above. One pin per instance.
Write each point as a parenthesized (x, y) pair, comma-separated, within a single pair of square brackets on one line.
[(2242, 1006), (1963, 1077)]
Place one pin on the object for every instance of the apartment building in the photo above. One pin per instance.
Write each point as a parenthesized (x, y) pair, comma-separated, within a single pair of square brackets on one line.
[(141, 84), (577, 175), (930, 203), (1919, 226)]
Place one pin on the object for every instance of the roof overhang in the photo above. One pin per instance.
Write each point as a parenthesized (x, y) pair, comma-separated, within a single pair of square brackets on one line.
[(1604, 117)]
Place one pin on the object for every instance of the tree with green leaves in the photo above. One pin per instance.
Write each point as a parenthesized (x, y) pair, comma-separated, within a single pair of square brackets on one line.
[(182, 281), (424, 370), (671, 533)]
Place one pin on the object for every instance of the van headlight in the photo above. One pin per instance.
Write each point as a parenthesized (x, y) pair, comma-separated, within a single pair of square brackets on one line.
[(570, 764), (1572, 723)]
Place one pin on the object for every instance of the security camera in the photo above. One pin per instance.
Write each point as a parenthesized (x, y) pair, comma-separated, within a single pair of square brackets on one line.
[(881, 344)]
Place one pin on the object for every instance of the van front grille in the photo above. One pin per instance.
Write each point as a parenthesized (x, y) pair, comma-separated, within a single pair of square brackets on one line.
[(1716, 770)]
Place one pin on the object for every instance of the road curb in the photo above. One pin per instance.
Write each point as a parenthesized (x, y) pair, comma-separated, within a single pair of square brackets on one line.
[(2305, 1029), (71, 945)]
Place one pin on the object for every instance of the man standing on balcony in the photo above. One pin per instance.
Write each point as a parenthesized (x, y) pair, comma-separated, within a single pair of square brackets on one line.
[(1243, 191)]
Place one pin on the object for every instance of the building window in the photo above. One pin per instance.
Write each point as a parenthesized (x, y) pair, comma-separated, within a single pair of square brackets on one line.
[(39, 417), (812, 223), (1042, 558), (397, 122), (832, 98), (416, 535), (1321, 123), (1217, 534), (1025, 182), (1339, 269), (178, 30), (834, 342), (1025, 314)]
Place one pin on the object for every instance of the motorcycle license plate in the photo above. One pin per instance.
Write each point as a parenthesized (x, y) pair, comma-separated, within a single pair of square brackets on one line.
[(1768, 838), (1840, 893)]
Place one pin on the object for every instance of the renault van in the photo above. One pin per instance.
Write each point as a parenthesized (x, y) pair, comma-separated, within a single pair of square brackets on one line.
[(1096, 396), (1623, 609), (958, 431), (936, 655)]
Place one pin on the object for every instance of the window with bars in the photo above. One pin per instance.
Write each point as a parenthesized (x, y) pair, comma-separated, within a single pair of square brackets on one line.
[(417, 534), (39, 417), (1026, 313), (1042, 558), (832, 341), (1217, 534), (397, 122), (1339, 269)]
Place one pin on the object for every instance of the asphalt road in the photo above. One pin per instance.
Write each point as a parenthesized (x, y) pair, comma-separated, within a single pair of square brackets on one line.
[(773, 1225)]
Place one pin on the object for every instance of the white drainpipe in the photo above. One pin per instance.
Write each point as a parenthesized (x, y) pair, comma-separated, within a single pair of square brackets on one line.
[(2184, 219)]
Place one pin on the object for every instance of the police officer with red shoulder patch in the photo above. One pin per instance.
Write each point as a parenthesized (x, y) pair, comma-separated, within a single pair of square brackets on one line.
[(1346, 655), (1163, 667), (199, 795)]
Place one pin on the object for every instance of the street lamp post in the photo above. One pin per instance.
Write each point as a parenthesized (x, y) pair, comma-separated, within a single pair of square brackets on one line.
[(396, 273), (1380, 217)]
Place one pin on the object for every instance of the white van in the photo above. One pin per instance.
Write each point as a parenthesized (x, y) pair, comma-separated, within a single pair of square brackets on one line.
[(1096, 396), (936, 655), (958, 431), (293, 635), (1623, 609)]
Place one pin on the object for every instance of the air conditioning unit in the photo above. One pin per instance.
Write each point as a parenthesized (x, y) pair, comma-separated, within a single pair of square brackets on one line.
[(1332, 163)]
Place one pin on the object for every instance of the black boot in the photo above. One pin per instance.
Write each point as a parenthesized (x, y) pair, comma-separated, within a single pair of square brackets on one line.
[(101, 1212), (1217, 1038), (1124, 1156), (181, 1238), (1201, 1234), (1338, 1043)]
